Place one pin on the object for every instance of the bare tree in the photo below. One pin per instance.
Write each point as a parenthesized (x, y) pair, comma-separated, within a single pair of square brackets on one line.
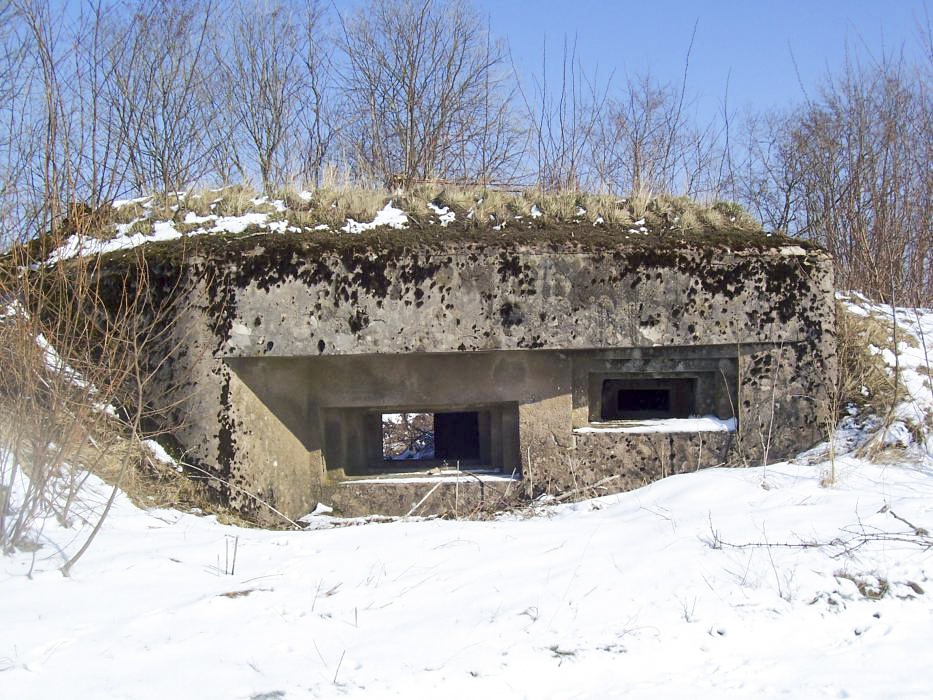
[(161, 93), (765, 178), (79, 375), (646, 145), (408, 436), (853, 166), (260, 60), (19, 133), (318, 126), (425, 88), (639, 139), (565, 121)]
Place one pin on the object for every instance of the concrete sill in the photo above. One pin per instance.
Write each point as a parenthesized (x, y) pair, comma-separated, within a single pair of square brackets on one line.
[(700, 424), (434, 476)]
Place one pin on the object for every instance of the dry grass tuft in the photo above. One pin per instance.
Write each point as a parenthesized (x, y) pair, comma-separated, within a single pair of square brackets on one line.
[(864, 379), (340, 199)]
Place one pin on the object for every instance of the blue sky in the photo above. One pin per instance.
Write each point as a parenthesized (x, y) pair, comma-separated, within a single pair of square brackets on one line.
[(754, 43)]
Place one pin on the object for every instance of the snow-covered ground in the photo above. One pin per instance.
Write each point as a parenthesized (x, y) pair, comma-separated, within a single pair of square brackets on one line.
[(736, 583), (643, 594)]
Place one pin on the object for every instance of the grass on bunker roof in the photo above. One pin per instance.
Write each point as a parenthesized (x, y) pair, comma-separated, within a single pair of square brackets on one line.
[(432, 238), (310, 223)]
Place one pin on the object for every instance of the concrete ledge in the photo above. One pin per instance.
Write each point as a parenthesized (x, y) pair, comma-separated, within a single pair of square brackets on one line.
[(445, 476), (702, 424)]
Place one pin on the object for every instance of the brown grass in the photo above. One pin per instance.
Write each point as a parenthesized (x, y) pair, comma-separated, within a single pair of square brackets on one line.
[(337, 201), (864, 379)]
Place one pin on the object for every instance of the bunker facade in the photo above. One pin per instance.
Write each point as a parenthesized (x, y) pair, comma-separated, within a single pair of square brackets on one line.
[(570, 363)]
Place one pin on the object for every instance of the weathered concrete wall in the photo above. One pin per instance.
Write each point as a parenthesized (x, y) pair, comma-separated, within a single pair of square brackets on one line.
[(280, 345), (467, 299)]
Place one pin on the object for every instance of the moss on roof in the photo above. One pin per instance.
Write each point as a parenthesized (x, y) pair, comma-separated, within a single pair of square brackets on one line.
[(309, 224), (563, 237)]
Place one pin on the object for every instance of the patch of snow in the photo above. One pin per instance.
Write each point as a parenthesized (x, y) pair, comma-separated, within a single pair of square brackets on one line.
[(124, 229), (580, 211), (57, 364), (159, 453), (913, 362), (699, 424), (161, 231), (426, 452), (319, 509), (792, 250), (640, 222), (120, 203), (536, 212), (599, 220), (897, 435), (388, 216), (445, 215), (192, 218), (238, 224), (305, 196), (442, 476), (322, 227)]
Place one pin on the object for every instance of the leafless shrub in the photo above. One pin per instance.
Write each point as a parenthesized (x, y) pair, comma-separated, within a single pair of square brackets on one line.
[(77, 379)]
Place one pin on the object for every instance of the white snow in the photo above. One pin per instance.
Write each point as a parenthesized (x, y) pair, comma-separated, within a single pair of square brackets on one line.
[(387, 216), (158, 452), (668, 591), (192, 218), (695, 424), (536, 212), (445, 215), (792, 250), (57, 364), (120, 203), (161, 231), (914, 360), (440, 475), (277, 204)]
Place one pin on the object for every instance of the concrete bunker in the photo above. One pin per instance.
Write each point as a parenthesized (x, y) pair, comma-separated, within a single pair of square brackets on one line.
[(559, 361)]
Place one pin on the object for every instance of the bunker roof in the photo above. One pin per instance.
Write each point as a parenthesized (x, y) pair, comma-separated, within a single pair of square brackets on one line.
[(215, 225)]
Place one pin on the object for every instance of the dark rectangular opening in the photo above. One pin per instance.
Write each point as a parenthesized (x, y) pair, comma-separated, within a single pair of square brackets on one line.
[(450, 436), (456, 435), (641, 400), (645, 399)]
